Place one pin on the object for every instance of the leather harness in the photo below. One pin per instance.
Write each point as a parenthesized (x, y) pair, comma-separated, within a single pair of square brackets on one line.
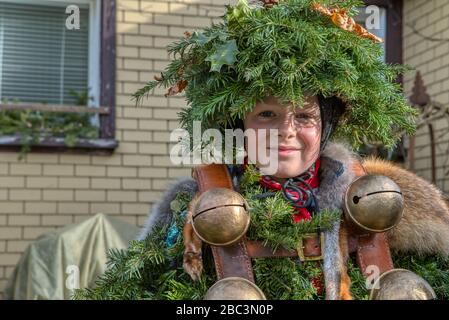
[(235, 260)]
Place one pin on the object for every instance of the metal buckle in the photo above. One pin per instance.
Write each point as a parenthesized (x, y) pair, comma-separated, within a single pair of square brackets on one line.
[(300, 248)]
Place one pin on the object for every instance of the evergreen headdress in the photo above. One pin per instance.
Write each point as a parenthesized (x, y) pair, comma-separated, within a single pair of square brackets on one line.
[(286, 50)]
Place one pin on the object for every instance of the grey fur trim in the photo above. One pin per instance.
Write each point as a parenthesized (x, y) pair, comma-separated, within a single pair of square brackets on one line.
[(335, 178), (161, 213)]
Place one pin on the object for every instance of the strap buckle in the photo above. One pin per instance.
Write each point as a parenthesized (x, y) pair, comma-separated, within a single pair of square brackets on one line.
[(300, 247)]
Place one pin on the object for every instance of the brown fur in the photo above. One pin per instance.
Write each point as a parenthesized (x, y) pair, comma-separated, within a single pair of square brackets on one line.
[(192, 260), (345, 281), (424, 228)]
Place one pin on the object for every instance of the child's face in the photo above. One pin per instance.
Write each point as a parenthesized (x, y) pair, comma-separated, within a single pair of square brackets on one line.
[(298, 133)]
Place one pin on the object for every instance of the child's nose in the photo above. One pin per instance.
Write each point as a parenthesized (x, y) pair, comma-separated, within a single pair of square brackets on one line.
[(287, 126)]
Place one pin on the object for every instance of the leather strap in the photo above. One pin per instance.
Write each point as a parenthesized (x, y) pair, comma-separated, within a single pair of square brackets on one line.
[(232, 260), (256, 249), (371, 248)]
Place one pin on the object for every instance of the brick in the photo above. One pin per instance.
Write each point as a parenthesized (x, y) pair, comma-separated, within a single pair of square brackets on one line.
[(181, 172), (17, 245), (122, 196), (74, 159), (23, 220), (42, 158), (9, 259), (3, 221), (107, 208), (178, 32), (127, 52), (153, 30), (122, 172), (167, 19), (141, 220), (132, 208), (8, 157), (139, 41), (152, 173), (136, 136), (10, 233), (56, 220), (59, 170), (128, 5), (73, 208), (2, 248), (154, 6), (74, 183), (24, 194), (127, 76), (127, 28), (105, 183), (161, 136), (131, 88), (196, 22), (138, 113), (115, 159), (125, 100), (178, 8), (3, 195), (136, 160), (25, 169), (160, 65), (58, 195), (9, 271), (4, 168), (153, 148), (127, 147), (40, 207), (11, 207), (90, 195), (163, 42), (161, 161), (138, 17), (35, 232), (12, 182), (130, 219), (136, 184), (165, 113), (41, 182), (153, 124), (160, 54), (137, 64), (91, 171), (149, 196)]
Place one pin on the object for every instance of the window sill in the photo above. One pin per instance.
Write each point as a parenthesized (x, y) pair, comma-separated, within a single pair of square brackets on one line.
[(54, 144)]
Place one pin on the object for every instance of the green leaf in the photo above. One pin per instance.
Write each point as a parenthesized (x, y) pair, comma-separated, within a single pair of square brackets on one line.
[(224, 54)]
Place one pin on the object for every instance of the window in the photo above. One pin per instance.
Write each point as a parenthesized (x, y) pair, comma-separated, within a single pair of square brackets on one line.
[(42, 61), (378, 22)]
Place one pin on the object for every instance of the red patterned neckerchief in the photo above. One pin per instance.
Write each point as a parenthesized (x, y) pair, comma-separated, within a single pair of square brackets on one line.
[(299, 192)]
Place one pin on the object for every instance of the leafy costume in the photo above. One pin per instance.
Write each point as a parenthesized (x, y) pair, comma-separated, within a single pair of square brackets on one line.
[(284, 50)]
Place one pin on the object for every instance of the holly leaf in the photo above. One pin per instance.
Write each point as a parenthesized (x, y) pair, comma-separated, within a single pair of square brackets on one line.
[(200, 38), (224, 54)]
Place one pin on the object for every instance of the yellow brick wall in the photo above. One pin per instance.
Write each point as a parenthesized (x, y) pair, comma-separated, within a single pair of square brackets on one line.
[(431, 19), (47, 191)]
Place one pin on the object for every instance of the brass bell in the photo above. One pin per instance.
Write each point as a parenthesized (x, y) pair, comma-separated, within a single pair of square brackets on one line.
[(401, 284), (220, 217), (234, 288), (373, 203)]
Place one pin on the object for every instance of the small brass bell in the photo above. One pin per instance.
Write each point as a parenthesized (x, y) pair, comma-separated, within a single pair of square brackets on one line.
[(373, 203), (234, 288), (401, 284), (220, 217)]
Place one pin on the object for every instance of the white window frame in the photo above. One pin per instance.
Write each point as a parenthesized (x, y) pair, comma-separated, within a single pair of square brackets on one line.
[(94, 45)]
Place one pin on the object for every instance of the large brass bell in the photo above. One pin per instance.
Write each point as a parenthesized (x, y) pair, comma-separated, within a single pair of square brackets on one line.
[(220, 217), (234, 288), (373, 203), (401, 284)]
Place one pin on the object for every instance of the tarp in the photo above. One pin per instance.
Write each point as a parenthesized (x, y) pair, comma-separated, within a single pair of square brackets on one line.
[(73, 256)]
